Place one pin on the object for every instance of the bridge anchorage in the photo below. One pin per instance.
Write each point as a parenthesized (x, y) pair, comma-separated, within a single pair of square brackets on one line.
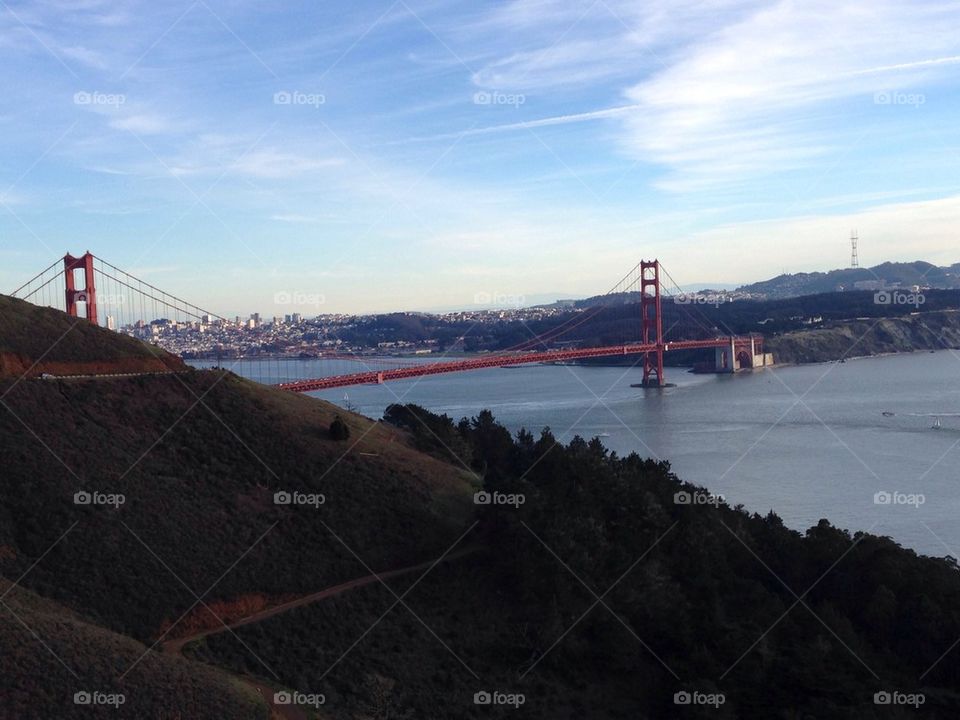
[(119, 301)]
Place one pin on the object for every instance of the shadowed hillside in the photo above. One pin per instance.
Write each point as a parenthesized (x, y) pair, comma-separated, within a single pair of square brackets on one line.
[(198, 459), (35, 340), (155, 506), (78, 658), (604, 595), (158, 504)]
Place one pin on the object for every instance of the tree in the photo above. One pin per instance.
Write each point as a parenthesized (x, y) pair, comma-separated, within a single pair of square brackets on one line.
[(339, 430)]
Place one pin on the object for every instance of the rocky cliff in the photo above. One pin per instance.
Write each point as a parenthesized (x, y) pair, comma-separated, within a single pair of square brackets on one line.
[(870, 336)]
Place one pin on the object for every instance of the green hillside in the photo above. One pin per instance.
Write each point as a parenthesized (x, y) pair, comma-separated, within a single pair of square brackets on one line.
[(892, 274), (603, 596), (51, 655), (594, 591), (198, 459), (187, 465), (35, 340)]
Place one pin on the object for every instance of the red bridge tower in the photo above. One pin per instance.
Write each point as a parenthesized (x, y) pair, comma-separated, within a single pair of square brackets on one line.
[(652, 322), (88, 295)]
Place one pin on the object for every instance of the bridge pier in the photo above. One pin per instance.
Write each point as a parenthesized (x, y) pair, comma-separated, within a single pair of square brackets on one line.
[(724, 359), (728, 358)]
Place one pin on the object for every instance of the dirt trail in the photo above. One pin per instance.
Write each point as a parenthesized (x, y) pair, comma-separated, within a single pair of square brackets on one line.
[(292, 712)]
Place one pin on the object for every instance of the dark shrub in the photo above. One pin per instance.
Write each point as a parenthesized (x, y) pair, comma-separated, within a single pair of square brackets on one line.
[(339, 429)]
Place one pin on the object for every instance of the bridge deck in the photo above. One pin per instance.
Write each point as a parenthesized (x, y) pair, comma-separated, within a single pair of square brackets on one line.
[(489, 361)]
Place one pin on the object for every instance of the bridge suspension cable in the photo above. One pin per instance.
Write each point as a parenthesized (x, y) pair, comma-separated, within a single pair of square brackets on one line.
[(154, 293), (579, 319), (691, 307), (123, 302), (28, 283)]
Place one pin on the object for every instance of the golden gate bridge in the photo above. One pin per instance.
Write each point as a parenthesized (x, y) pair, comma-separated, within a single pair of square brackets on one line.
[(117, 300)]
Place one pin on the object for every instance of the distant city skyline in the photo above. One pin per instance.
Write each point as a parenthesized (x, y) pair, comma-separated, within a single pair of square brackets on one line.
[(418, 155)]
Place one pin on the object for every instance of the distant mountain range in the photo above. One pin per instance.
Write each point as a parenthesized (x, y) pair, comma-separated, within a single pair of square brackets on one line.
[(886, 274)]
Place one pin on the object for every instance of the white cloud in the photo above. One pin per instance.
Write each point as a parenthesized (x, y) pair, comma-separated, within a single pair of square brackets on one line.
[(723, 91), (10, 198), (745, 99), (86, 56), (143, 124), (108, 170), (299, 219), (571, 63), (567, 43), (274, 164), (922, 230)]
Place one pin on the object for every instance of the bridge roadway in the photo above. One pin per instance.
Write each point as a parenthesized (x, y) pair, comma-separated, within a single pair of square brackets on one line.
[(488, 361)]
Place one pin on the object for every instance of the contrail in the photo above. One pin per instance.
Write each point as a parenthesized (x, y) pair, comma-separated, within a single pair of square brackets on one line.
[(542, 122), (949, 60)]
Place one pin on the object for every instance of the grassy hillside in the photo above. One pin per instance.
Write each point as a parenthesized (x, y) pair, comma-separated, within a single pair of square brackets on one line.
[(36, 340), (602, 596), (40, 680), (198, 458), (905, 274), (184, 528)]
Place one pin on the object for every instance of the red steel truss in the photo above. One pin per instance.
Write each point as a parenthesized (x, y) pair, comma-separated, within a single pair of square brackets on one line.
[(491, 361)]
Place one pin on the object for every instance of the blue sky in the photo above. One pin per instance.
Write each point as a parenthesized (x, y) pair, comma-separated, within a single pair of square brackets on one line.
[(418, 154)]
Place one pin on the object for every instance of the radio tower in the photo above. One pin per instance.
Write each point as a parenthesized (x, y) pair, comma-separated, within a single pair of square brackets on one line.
[(854, 260)]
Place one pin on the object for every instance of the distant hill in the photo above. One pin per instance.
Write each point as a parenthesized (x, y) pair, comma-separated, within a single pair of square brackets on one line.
[(890, 274)]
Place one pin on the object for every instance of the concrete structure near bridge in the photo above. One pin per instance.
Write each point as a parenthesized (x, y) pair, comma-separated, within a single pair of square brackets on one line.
[(739, 356)]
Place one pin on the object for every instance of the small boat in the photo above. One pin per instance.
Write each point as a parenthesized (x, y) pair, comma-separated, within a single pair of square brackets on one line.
[(936, 424), (887, 413), (603, 434)]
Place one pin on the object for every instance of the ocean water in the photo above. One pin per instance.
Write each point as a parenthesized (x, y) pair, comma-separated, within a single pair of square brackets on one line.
[(852, 442)]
